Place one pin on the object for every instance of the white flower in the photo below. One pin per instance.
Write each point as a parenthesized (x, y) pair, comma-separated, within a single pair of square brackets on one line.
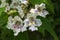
[(10, 22), (33, 10), (33, 28), (26, 22), (7, 8), (35, 24), (16, 24), (14, 4), (43, 13), (41, 6), (32, 22), (39, 10), (20, 11)]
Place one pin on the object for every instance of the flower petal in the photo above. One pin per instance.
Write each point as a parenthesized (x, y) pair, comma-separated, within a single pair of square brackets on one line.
[(43, 13), (38, 22), (17, 18), (33, 28), (42, 6), (23, 29), (26, 22)]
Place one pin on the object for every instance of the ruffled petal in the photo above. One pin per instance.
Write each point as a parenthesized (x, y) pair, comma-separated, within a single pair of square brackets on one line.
[(38, 22), (33, 28)]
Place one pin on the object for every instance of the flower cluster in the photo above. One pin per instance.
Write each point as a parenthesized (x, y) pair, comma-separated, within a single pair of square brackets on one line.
[(21, 22)]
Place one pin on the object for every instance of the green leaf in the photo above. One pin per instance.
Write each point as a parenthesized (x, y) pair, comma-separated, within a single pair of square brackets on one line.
[(49, 5), (42, 29), (1, 10), (46, 25), (9, 35), (33, 2), (50, 30), (22, 36), (3, 20)]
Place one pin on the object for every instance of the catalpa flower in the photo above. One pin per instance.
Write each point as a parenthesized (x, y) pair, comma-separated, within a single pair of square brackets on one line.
[(32, 22), (15, 5), (16, 24), (20, 11), (7, 8), (39, 10), (34, 10), (41, 6), (25, 20)]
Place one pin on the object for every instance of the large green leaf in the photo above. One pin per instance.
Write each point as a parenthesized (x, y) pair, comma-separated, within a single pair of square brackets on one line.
[(46, 25), (2, 10), (49, 5), (3, 20), (9, 35), (22, 36)]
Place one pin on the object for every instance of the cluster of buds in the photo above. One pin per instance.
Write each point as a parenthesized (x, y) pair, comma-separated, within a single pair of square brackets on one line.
[(21, 22)]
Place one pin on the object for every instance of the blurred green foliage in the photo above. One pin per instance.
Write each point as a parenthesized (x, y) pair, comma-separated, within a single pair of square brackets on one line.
[(47, 23)]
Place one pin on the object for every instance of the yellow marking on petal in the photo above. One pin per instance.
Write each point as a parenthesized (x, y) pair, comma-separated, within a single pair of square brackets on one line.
[(31, 23), (11, 11), (40, 12)]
